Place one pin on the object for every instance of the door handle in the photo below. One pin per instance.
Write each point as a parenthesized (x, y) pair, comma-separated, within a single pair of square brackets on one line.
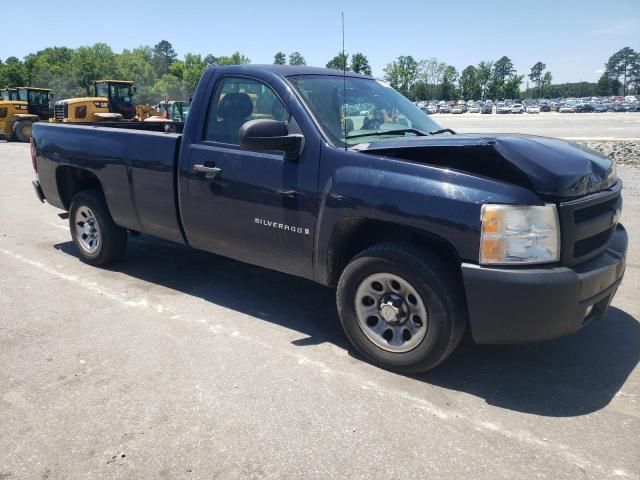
[(210, 172)]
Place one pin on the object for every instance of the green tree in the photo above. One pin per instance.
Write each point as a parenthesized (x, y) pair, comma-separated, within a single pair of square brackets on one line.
[(137, 65), (92, 63), (448, 89), (14, 72), (210, 60), (280, 58), (296, 58), (536, 75), (168, 86), (430, 72), (511, 88), (163, 56), (234, 59), (339, 62), (49, 68), (547, 78), (402, 73), (484, 72), (621, 65), (360, 64), (469, 84), (194, 66), (502, 70)]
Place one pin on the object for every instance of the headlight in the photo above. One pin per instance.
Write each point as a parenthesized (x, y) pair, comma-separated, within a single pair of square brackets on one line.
[(514, 235)]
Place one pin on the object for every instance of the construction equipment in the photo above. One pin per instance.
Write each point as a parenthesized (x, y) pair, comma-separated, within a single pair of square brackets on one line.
[(9, 94), (20, 108), (112, 101), (173, 110)]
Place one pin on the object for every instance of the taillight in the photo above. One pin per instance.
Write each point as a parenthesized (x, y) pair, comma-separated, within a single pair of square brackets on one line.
[(32, 147)]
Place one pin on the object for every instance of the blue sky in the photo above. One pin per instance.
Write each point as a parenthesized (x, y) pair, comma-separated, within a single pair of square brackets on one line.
[(574, 38)]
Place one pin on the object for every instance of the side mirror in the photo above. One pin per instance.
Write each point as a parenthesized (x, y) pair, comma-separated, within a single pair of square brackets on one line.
[(269, 135)]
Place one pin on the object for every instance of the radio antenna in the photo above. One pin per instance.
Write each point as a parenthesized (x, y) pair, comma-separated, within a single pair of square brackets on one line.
[(344, 87)]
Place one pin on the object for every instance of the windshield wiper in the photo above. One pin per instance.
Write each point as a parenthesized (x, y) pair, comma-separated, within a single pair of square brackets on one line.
[(399, 131), (442, 130)]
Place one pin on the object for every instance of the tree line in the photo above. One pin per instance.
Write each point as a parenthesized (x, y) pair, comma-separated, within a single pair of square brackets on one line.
[(432, 79), (159, 73)]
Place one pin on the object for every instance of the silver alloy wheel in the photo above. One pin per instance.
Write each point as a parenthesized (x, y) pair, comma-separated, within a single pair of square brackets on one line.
[(87, 229), (390, 312)]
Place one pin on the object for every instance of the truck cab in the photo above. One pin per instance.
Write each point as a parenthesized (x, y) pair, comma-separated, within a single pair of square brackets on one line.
[(119, 95), (38, 100)]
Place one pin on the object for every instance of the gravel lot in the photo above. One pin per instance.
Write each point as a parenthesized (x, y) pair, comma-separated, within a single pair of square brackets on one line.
[(616, 135), (180, 364)]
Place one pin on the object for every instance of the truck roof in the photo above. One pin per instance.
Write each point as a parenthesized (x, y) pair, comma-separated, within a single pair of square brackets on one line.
[(289, 70)]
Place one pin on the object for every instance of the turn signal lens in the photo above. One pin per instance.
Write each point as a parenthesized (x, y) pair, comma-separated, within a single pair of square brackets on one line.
[(513, 235)]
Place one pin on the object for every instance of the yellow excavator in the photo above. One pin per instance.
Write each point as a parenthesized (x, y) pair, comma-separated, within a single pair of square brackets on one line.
[(20, 108), (112, 101)]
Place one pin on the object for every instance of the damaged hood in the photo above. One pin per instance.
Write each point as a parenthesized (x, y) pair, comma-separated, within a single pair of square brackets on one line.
[(551, 167)]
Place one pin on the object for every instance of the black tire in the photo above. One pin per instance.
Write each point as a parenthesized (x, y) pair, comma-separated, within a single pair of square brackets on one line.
[(437, 284), (22, 130), (112, 238)]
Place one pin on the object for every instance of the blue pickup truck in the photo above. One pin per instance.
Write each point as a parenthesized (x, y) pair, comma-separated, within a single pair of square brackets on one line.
[(341, 180)]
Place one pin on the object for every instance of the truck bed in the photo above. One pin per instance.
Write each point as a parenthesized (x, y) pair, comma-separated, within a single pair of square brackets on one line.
[(135, 166)]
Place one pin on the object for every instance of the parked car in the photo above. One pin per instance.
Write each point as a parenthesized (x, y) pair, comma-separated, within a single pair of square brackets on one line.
[(545, 107), (444, 108), (533, 108), (517, 239), (474, 108), (584, 108), (616, 107), (432, 109), (502, 108), (567, 109), (457, 109), (517, 108), (599, 108), (487, 108)]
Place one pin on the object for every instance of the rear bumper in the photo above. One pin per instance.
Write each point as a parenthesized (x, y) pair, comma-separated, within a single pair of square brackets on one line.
[(530, 305), (38, 189)]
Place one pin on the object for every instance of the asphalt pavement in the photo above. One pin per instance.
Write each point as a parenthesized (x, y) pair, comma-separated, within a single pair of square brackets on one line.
[(179, 364), (572, 126)]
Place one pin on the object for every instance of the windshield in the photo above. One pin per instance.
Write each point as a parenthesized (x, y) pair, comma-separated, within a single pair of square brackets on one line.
[(37, 97), (371, 109), (120, 93), (11, 95)]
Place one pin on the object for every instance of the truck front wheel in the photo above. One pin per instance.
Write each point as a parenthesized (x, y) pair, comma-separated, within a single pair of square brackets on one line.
[(98, 239), (402, 307)]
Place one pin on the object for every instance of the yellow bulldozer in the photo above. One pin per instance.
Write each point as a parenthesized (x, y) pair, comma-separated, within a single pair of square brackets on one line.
[(112, 101), (20, 108)]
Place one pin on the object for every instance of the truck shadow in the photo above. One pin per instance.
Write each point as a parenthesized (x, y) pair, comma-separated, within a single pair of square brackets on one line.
[(570, 376)]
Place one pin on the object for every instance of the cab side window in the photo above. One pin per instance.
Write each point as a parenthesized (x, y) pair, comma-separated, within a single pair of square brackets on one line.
[(235, 102)]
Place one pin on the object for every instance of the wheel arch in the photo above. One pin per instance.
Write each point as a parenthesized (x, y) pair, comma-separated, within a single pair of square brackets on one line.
[(352, 235), (71, 180)]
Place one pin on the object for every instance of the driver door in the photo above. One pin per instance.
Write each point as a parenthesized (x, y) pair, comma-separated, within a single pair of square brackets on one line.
[(252, 206)]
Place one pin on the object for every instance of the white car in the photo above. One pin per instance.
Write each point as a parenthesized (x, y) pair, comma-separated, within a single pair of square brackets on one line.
[(474, 108), (532, 109), (517, 108), (457, 109), (567, 109)]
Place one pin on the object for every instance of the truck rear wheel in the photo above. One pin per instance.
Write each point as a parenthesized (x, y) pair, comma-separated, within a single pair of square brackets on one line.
[(22, 130), (98, 239), (402, 307)]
